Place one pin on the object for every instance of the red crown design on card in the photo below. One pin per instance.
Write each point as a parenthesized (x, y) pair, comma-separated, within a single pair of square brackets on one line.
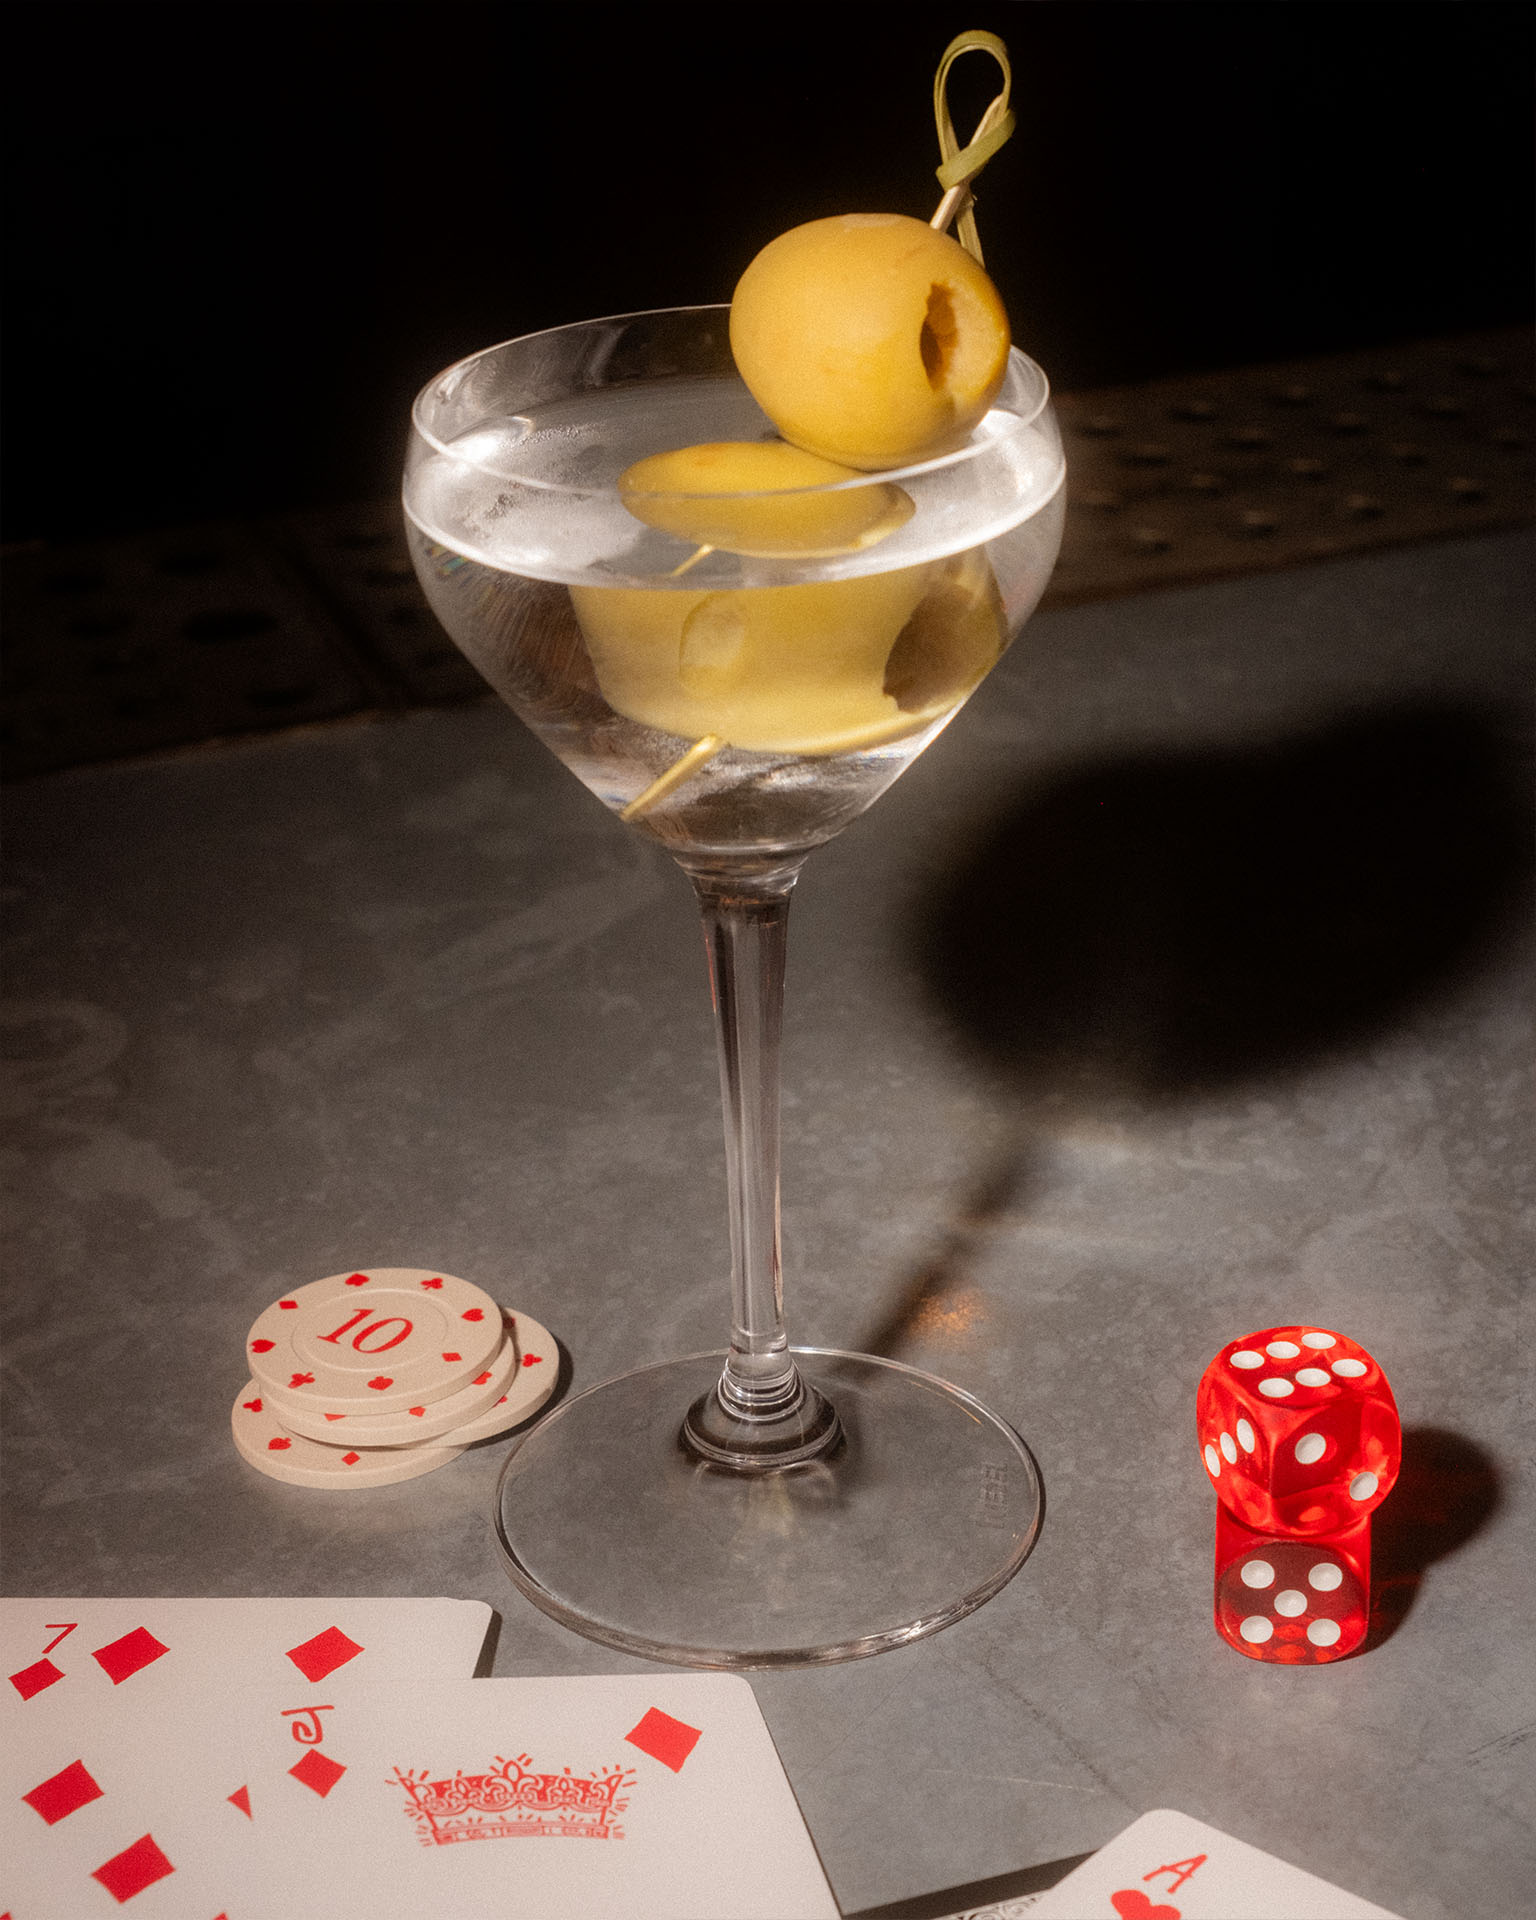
[(512, 1802)]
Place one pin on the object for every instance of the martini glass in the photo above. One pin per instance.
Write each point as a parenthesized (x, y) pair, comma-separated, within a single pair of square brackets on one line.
[(737, 677)]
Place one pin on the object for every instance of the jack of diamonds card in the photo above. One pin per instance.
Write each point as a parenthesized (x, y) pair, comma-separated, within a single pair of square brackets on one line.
[(121, 1781), (628, 1796)]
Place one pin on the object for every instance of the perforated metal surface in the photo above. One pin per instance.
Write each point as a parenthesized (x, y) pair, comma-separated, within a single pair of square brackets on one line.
[(123, 647), (1196, 478)]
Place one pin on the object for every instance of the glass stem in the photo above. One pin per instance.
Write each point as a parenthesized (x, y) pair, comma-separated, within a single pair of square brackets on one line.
[(761, 1415)]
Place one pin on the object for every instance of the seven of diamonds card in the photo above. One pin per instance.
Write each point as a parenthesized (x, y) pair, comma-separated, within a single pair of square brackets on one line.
[(122, 1767)]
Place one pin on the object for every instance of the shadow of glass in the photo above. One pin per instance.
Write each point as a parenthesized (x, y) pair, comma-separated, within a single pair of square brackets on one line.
[(1447, 1491), (1159, 927)]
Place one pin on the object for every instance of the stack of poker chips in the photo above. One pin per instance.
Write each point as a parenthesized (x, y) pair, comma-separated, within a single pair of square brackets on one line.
[(363, 1379)]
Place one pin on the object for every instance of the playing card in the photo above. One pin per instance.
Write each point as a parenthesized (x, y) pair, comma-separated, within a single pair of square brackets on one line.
[(121, 1758), (1166, 1866), (367, 1800)]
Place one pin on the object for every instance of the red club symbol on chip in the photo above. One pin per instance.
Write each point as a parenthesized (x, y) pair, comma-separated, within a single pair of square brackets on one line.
[(357, 1280), (261, 1346), (302, 1380), (251, 1406), (432, 1283), (533, 1359), (384, 1380)]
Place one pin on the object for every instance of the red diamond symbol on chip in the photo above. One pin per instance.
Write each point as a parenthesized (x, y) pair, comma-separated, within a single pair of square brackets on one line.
[(357, 1280), (30, 1680), (241, 1798), (261, 1346), (384, 1380), (335, 1416), (324, 1654), (481, 1378), (120, 1659), (134, 1869), (350, 1459), (289, 1306), (70, 1788), (433, 1283), (317, 1773), (532, 1359), (665, 1739), (453, 1356)]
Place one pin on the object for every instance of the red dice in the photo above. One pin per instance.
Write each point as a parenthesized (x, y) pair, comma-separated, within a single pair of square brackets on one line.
[(1300, 1437), (1298, 1430), (1298, 1602)]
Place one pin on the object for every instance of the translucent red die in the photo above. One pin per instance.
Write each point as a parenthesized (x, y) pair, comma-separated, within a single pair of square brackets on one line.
[(1292, 1602), (1298, 1430)]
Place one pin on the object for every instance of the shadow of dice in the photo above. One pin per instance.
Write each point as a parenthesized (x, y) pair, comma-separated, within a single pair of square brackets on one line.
[(1298, 1431), (1290, 1601)]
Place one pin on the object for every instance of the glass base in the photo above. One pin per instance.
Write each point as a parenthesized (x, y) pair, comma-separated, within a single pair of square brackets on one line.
[(925, 1508)]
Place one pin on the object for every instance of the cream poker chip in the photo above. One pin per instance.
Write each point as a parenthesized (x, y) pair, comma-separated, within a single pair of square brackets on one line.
[(281, 1455), (538, 1367), (375, 1342), (421, 1421)]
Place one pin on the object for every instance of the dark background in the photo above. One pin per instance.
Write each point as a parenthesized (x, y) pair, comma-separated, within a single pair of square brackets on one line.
[(240, 236)]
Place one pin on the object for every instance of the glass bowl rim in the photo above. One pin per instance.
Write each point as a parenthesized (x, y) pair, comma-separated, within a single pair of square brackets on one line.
[(974, 448)]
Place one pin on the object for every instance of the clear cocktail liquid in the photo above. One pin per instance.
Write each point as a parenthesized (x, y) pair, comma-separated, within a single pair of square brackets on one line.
[(815, 681)]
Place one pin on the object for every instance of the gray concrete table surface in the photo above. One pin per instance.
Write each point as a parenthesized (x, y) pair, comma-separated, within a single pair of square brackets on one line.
[(1180, 989)]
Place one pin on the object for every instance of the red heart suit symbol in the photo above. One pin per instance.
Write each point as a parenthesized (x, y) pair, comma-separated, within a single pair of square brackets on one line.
[(1133, 1904)]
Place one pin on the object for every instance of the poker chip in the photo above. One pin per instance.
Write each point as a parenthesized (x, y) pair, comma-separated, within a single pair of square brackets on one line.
[(538, 1367), (281, 1455), (422, 1421), (375, 1342), (368, 1378)]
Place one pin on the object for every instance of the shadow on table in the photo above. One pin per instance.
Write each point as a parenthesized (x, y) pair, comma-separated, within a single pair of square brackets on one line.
[(1447, 1491), (1154, 929), (976, 1893)]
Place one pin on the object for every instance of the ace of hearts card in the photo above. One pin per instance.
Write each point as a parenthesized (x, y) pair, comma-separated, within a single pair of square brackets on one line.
[(1167, 1866)]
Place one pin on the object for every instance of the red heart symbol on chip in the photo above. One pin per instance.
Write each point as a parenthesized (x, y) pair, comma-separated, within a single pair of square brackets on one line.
[(357, 1280), (1133, 1904), (289, 1306), (254, 1406), (261, 1346), (277, 1446), (431, 1283), (532, 1359), (384, 1380), (474, 1313)]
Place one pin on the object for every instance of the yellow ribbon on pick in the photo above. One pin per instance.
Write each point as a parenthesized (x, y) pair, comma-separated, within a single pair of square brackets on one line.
[(960, 165)]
